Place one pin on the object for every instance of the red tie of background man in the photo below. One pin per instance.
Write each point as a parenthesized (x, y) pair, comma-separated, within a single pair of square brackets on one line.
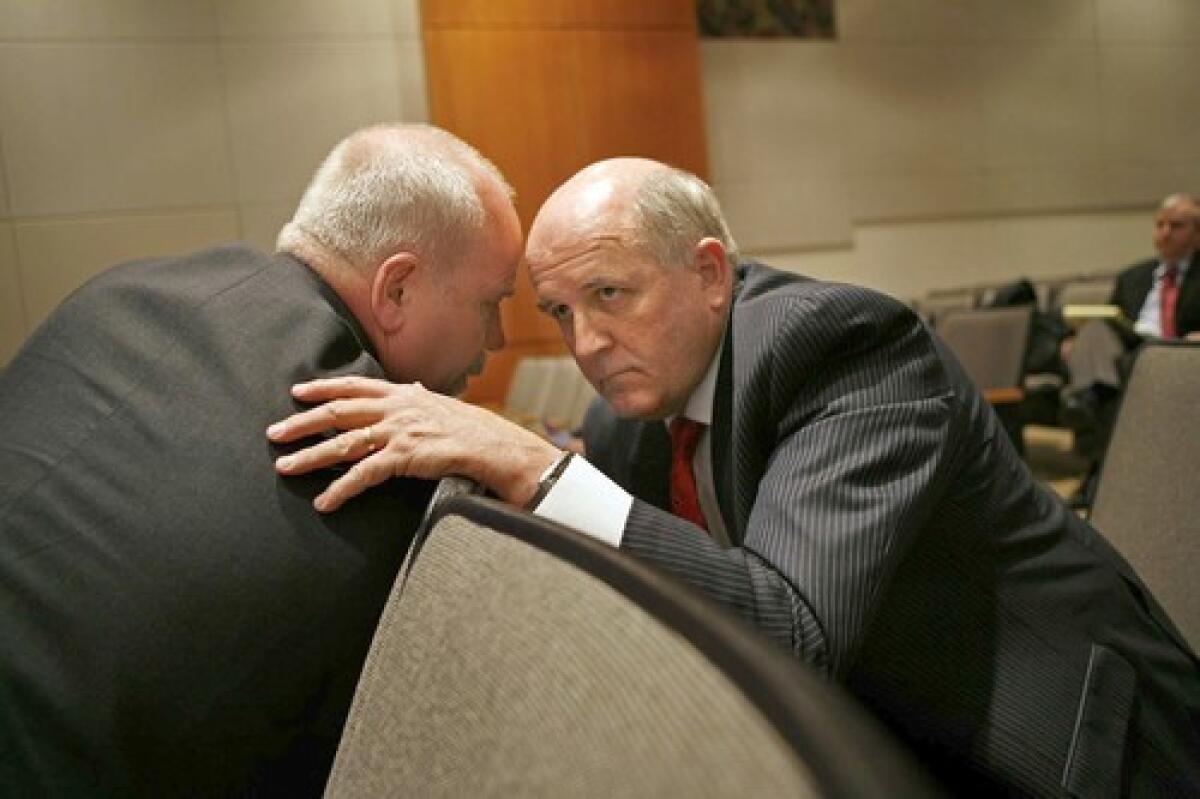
[(685, 499), (1169, 294)]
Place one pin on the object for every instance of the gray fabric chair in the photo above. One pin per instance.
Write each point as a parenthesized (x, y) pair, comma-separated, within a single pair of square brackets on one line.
[(1147, 503), (937, 304), (990, 344), (518, 658)]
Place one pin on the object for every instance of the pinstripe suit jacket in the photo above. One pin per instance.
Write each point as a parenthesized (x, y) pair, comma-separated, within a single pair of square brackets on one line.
[(886, 531)]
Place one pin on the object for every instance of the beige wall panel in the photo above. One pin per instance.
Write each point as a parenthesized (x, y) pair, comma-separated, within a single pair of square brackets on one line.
[(1149, 99), (410, 70), (774, 215), (839, 264), (5, 208), (1067, 20), (773, 110), (1148, 182), (261, 223), (1148, 20), (56, 257), (1072, 243), (1041, 105), (112, 127), (106, 19), (406, 18), (912, 110), (928, 194), (290, 103), (907, 259), (12, 310), (1031, 188), (282, 19), (911, 20)]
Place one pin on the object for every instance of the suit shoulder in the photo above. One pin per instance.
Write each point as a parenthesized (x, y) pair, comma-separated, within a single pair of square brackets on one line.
[(783, 301), (210, 270), (1137, 270)]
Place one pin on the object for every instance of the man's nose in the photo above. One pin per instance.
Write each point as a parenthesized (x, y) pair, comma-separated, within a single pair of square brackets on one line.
[(589, 336)]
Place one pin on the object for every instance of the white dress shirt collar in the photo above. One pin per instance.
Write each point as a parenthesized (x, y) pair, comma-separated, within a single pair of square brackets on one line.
[(700, 404)]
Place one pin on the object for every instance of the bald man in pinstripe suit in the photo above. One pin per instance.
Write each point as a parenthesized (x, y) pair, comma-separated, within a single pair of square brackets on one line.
[(861, 503)]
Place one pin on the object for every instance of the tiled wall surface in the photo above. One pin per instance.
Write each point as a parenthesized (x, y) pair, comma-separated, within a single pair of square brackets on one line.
[(942, 142), (138, 127), (935, 143)]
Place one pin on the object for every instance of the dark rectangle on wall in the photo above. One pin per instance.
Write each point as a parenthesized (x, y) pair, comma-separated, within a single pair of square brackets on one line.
[(805, 19)]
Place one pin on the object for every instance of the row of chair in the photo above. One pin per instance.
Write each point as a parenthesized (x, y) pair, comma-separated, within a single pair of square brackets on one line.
[(1144, 502), (516, 657), (1052, 293)]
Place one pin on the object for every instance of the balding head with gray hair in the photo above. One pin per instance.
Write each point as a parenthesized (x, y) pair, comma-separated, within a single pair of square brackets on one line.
[(672, 210), (389, 188)]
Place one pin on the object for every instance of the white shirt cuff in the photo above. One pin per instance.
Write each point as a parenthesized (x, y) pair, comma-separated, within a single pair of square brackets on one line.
[(585, 499)]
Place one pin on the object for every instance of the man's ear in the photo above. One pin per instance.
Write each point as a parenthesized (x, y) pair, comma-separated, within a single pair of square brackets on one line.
[(712, 267), (391, 290)]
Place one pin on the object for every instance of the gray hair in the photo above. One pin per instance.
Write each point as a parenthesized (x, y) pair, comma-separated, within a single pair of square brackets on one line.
[(1185, 199), (389, 188), (672, 211)]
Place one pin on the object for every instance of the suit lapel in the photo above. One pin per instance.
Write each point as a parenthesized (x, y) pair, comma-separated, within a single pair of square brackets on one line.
[(1139, 285), (721, 436)]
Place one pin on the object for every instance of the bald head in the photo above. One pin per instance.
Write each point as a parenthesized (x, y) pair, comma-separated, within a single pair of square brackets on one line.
[(1177, 227), (633, 261), (642, 203)]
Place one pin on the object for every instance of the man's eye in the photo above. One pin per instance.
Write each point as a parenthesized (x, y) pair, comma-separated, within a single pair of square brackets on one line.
[(609, 292), (560, 311)]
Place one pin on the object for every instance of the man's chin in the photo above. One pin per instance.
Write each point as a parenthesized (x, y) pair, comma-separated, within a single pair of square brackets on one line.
[(636, 405)]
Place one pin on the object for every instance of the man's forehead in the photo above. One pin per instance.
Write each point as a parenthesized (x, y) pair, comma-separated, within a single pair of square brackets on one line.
[(578, 255), (1178, 210)]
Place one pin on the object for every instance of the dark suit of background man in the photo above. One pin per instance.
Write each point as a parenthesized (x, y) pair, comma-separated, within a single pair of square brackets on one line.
[(174, 619), (863, 506), (1100, 357)]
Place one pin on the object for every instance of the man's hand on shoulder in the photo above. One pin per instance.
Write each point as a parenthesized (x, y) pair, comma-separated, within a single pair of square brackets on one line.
[(403, 430)]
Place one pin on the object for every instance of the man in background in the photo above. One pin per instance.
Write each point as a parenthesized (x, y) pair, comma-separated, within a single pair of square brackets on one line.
[(810, 456), (1160, 300), (174, 619)]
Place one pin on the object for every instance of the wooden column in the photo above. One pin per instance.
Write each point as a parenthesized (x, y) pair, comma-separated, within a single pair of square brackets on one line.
[(545, 87)]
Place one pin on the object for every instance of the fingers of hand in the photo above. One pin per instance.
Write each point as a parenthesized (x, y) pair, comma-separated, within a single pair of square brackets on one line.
[(335, 415), (365, 474), (348, 446), (350, 386)]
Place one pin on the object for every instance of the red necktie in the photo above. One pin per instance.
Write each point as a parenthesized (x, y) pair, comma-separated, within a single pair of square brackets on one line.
[(1169, 295), (685, 499)]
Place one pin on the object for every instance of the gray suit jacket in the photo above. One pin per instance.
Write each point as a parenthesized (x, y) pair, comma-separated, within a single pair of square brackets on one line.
[(176, 619), (885, 530)]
